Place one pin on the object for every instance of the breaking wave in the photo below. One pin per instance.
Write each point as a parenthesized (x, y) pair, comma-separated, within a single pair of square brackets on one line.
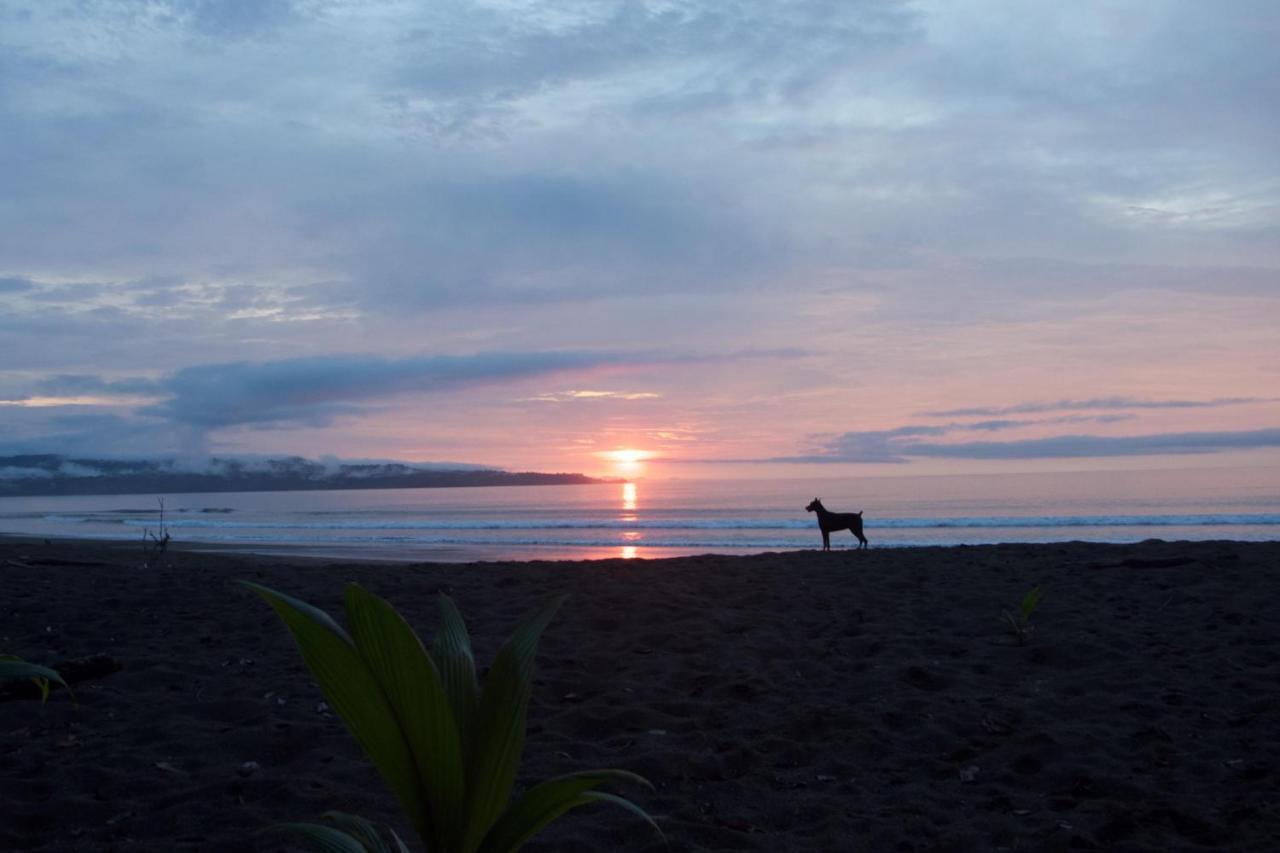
[(658, 524)]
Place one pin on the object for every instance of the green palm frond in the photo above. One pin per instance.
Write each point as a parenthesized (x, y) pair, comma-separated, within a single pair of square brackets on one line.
[(446, 748), (14, 667)]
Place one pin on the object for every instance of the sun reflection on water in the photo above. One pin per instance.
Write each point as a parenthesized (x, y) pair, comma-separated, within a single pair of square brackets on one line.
[(629, 509)]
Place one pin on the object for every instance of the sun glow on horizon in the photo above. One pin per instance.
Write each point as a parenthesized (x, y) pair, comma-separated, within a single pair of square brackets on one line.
[(627, 461), (626, 455)]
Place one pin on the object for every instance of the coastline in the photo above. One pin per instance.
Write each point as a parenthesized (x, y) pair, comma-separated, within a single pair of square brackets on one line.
[(781, 701)]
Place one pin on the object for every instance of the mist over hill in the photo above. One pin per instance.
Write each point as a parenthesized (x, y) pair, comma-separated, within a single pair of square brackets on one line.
[(52, 474)]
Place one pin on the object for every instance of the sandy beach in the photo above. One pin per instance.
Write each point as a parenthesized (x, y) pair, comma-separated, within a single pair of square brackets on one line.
[(783, 702)]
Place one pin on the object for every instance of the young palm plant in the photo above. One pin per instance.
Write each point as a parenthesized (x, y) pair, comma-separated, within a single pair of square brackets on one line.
[(1021, 625), (12, 666), (447, 750)]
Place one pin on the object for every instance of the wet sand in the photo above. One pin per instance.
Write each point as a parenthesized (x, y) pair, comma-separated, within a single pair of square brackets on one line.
[(783, 702)]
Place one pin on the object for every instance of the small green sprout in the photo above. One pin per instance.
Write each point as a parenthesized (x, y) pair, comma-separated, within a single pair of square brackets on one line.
[(1021, 625)]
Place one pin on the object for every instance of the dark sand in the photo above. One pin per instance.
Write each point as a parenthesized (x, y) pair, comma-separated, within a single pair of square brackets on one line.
[(804, 701)]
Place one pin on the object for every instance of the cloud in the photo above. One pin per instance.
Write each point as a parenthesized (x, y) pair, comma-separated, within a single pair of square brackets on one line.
[(423, 155), (18, 467), (311, 391), (226, 184), (585, 394), (179, 412), (87, 384), (871, 446), (902, 444), (36, 402), (103, 434), (317, 389), (500, 54), (1093, 404), (15, 284), (895, 445), (1012, 273), (1080, 446), (1016, 423), (236, 19)]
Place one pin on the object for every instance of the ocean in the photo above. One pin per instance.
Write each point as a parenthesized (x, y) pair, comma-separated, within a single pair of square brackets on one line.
[(657, 518)]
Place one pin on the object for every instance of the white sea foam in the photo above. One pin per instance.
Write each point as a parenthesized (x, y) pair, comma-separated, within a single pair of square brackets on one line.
[(956, 523)]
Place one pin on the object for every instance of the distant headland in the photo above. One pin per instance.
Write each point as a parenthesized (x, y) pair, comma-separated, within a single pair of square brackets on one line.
[(52, 474)]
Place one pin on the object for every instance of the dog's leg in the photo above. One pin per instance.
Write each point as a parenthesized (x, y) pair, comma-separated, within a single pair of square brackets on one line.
[(826, 541)]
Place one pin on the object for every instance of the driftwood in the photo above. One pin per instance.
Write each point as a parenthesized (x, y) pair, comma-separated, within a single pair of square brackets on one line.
[(73, 671)]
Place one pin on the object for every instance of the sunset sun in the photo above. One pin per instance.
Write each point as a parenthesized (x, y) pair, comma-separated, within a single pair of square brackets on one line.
[(626, 455), (627, 461)]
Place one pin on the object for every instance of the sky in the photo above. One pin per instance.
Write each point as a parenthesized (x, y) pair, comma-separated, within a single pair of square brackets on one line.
[(747, 237)]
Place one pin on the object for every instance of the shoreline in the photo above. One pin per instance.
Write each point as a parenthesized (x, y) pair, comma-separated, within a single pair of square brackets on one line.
[(461, 555), (785, 701)]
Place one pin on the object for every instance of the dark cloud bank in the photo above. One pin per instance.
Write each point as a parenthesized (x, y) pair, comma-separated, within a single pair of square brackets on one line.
[(1095, 404), (316, 389), (904, 443), (186, 406)]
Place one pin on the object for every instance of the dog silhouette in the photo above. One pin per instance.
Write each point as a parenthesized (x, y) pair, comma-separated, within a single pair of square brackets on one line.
[(829, 521)]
